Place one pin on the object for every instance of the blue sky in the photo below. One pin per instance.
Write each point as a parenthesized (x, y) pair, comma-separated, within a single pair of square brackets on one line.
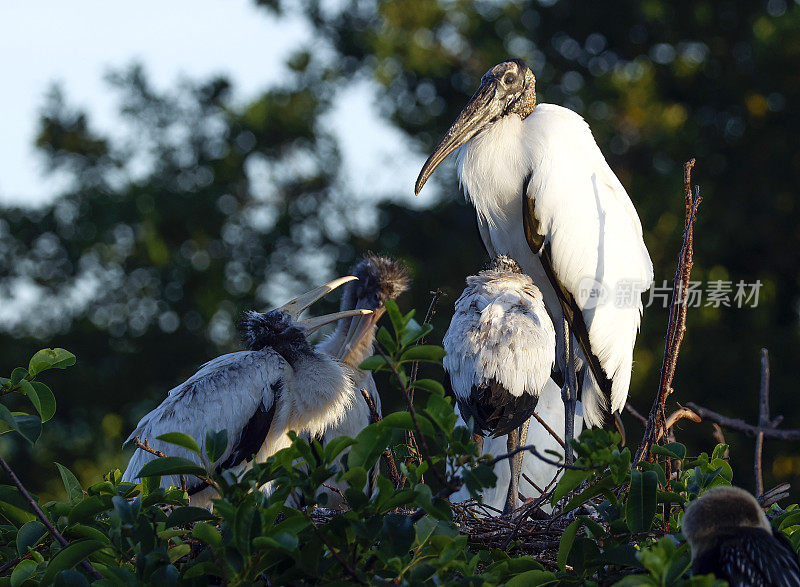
[(76, 43)]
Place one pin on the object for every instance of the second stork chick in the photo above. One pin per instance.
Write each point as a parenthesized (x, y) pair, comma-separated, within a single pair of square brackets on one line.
[(380, 278), (500, 354)]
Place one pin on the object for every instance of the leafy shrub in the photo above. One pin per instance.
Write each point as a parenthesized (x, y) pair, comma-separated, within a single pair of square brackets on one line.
[(624, 521)]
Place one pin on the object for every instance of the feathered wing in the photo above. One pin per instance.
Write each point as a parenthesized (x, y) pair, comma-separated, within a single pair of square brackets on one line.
[(500, 343), (752, 556), (235, 392), (576, 196)]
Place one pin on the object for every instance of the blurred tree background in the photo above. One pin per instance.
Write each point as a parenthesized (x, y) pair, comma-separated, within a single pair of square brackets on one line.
[(202, 208)]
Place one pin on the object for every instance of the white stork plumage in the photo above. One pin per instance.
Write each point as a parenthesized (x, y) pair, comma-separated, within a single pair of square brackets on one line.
[(545, 196), (379, 279), (500, 352), (257, 395)]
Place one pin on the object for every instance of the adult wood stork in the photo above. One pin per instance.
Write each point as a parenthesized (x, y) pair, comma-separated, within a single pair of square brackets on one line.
[(500, 353), (257, 395), (730, 536), (545, 195), (379, 279)]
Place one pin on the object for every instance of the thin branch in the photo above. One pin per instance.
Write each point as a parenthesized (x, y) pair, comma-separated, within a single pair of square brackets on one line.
[(676, 326), (45, 520), (763, 420), (550, 430), (532, 449), (335, 490), (415, 365), (774, 495), (422, 443), (387, 454), (634, 412), (742, 426), (145, 446), (350, 570)]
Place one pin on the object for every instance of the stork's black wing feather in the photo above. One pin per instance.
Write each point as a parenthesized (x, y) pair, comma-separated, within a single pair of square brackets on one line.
[(751, 557), (495, 410)]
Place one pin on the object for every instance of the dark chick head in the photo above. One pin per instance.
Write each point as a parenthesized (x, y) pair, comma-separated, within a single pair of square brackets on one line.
[(721, 509), (504, 263), (379, 279), (276, 330)]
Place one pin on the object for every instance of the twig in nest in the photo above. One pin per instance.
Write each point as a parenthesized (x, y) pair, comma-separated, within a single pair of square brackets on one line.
[(742, 426), (676, 327), (45, 520), (387, 454), (145, 446), (335, 490), (677, 415), (763, 420)]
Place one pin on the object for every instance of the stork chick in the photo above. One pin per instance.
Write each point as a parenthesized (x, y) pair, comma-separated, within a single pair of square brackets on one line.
[(257, 395), (500, 352), (730, 536), (379, 279)]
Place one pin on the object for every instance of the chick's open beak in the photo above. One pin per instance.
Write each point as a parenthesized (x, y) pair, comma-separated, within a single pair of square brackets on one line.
[(295, 307)]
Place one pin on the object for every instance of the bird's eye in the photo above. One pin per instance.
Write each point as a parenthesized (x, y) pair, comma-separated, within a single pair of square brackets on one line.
[(509, 79)]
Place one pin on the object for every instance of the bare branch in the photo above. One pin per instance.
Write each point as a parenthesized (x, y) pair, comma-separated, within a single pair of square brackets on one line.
[(635, 413), (774, 495), (676, 327), (532, 449), (550, 430), (45, 520), (677, 415), (763, 420), (742, 426)]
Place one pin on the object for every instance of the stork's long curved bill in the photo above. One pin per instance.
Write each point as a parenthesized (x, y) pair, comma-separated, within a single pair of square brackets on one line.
[(312, 324), (358, 329), (300, 303), (482, 109)]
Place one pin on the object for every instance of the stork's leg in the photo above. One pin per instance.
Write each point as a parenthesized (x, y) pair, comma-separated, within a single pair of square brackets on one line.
[(569, 394), (513, 483)]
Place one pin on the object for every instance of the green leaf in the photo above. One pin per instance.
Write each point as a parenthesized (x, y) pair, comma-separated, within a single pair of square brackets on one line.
[(207, 533), (68, 557), (429, 385), (7, 417), (71, 483), (641, 506), (23, 571), (86, 509), (187, 515), (566, 544), (719, 451), (403, 420), (336, 446), (30, 427), (216, 443), (42, 398), (386, 340), (29, 535), (17, 375), (16, 515), (372, 363), (179, 551), (414, 332), (171, 466), (182, 440), (675, 450), (532, 579), (429, 353), (569, 481), (398, 323), (50, 359)]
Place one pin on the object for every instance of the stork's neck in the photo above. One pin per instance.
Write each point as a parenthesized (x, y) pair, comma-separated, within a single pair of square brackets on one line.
[(493, 166)]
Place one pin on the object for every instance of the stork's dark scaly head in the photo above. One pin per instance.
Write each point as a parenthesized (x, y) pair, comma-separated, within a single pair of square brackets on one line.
[(721, 510), (282, 330), (507, 89), (379, 279), (504, 263)]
